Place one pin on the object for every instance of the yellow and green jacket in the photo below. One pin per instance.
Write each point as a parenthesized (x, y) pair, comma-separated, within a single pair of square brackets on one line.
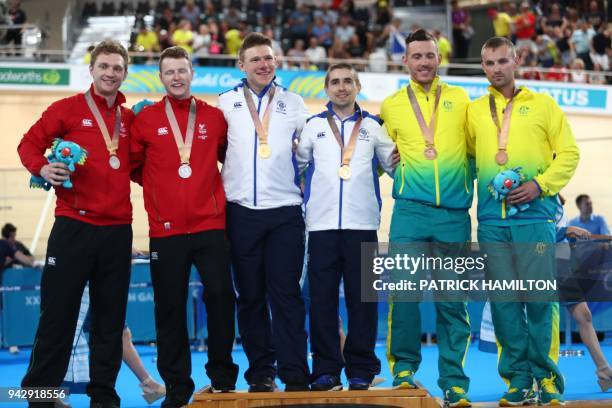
[(447, 180), (538, 130)]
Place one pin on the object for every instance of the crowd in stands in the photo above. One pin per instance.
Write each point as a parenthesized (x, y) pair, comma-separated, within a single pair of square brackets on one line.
[(565, 37)]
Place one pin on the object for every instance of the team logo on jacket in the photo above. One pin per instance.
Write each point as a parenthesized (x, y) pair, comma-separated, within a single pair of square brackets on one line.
[(447, 105), (202, 131), (87, 122), (320, 135), (238, 105), (364, 135), (281, 107), (523, 110), (540, 248), (162, 131)]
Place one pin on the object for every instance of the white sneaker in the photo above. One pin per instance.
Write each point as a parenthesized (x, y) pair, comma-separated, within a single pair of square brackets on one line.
[(14, 350), (152, 391)]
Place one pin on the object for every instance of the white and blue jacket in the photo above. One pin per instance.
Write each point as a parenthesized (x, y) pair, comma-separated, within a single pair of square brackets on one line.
[(333, 203), (248, 179)]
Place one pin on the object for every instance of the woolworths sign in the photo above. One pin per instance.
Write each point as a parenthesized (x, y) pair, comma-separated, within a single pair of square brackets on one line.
[(34, 76)]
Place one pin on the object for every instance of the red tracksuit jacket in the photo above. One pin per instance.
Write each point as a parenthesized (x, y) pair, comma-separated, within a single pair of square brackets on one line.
[(100, 195), (174, 205)]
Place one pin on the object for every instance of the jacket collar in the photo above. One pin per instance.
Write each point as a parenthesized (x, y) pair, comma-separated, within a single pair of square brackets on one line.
[(353, 117), (101, 101), (263, 91)]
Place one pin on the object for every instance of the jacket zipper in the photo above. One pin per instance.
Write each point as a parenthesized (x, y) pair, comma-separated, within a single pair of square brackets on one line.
[(402, 172), (341, 181), (255, 159)]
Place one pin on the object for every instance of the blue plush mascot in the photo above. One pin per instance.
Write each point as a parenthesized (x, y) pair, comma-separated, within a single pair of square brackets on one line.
[(503, 183), (65, 152)]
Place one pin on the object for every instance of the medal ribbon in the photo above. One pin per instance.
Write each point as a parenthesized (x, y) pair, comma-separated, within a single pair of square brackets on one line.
[(184, 147), (261, 129), (111, 144), (347, 153), (504, 131), (427, 131)]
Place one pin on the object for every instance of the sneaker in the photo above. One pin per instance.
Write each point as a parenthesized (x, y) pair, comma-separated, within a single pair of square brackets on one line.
[(549, 394), (358, 384), (515, 397), (265, 385), (14, 350), (403, 380), (152, 391), (220, 388), (326, 382), (297, 387), (456, 397)]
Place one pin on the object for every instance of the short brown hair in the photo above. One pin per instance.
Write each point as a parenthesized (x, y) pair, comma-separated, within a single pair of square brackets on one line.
[(420, 35), (494, 43), (253, 40), (109, 47), (175, 52), (341, 65)]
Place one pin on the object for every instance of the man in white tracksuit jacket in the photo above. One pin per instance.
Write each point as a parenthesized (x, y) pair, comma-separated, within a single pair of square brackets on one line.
[(265, 226), (342, 148)]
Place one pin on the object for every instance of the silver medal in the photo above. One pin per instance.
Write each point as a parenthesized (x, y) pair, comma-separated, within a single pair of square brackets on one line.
[(114, 162), (184, 171)]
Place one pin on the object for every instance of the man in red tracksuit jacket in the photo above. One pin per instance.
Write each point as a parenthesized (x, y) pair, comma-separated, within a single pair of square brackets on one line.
[(91, 239), (175, 146)]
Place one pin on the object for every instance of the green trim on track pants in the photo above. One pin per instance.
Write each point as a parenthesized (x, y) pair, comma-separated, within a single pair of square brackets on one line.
[(423, 226), (527, 332)]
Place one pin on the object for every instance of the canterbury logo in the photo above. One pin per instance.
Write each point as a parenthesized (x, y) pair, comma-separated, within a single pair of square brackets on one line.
[(87, 122), (51, 261), (162, 131)]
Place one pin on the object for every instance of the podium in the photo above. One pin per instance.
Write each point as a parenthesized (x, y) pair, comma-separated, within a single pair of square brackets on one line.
[(373, 398)]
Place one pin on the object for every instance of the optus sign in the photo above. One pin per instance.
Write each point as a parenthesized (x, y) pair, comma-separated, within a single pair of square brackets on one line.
[(34, 76)]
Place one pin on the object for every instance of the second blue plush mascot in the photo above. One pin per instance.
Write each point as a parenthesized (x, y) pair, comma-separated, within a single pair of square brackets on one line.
[(62, 151)]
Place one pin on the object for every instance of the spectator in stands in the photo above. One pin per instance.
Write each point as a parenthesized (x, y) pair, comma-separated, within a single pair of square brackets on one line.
[(329, 16), (355, 48), (191, 12), (345, 29), (595, 16), (13, 252), (183, 36), (166, 20), (17, 17), (201, 43), (595, 224), (598, 77), (322, 31), (562, 38), (338, 50), (315, 54), (547, 51), (147, 42), (276, 47), (217, 43), (233, 18), (396, 41), (90, 9), (299, 23), (298, 52), (510, 9), (581, 76), (462, 30), (572, 16), (502, 23), (445, 49), (529, 61), (525, 24), (600, 48), (143, 8), (557, 73), (267, 9), (580, 42), (554, 19), (234, 38), (87, 56)]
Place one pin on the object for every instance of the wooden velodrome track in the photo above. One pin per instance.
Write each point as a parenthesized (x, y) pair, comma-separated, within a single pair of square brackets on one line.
[(22, 206)]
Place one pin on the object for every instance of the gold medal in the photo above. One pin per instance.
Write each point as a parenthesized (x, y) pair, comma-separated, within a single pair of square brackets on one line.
[(345, 172), (501, 157), (263, 151), (430, 153)]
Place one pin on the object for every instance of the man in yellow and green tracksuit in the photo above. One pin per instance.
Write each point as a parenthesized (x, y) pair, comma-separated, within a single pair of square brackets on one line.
[(521, 245), (433, 192)]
